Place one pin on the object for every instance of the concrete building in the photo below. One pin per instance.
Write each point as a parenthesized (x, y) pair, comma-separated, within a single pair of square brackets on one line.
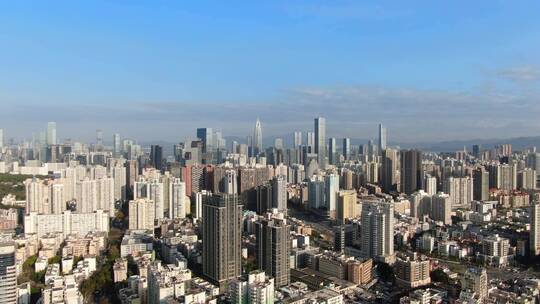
[(8, 274), (534, 233), (272, 246), (222, 229), (441, 208), (257, 288), (378, 231), (412, 176), (347, 206), (320, 141), (475, 280), (412, 272), (460, 190), (141, 214)]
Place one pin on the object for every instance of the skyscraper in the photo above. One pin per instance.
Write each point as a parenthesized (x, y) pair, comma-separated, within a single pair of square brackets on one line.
[(257, 138), (382, 138), (441, 208), (480, 184), (8, 274), (389, 169), (272, 246), (1, 138), (222, 229), (141, 214), (534, 237), (279, 193), (51, 133), (412, 177), (99, 138), (310, 141), (177, 199), (320, 141), (297, 138), (116, 145), (207, 137), (156, 156), (378, 231), (332, 190), (332, 151), (346, 148)]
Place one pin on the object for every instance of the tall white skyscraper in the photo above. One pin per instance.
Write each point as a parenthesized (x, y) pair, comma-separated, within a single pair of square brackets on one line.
[(320, 140), (177, 199), (297, 138), (310, 141), (534, 237), (332, 189), (51, 133), (155, 191), (257, 138), (382, 137), (1, 138), (116, 145), (378, 231), (99, 138)]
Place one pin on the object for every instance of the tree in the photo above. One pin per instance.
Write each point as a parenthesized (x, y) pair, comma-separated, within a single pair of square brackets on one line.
[(386, 272), (438, 275)]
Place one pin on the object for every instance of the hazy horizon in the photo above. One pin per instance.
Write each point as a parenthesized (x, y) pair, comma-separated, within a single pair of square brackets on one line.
[(157, 71)]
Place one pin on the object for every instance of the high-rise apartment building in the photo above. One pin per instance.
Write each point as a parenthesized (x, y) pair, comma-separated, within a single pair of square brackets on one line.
[(272, 235), (332, 189), (430, 184), (347, 206), (475, 280), (8, 274), (141, 214), (441, 208), (412, 272), (222, 232), (378, 231), (480, 184), (279, 193), (177, 199), (460, 190), (534, 234), (420, 204)]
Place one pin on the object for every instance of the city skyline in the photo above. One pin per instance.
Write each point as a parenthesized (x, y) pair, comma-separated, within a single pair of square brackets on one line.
[(403, 65)]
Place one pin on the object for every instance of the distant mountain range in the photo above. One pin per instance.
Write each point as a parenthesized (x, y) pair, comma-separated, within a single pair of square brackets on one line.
[(518, 143)]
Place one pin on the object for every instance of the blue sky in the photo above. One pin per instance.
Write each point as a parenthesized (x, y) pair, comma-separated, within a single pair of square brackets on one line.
[(430, 70)]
